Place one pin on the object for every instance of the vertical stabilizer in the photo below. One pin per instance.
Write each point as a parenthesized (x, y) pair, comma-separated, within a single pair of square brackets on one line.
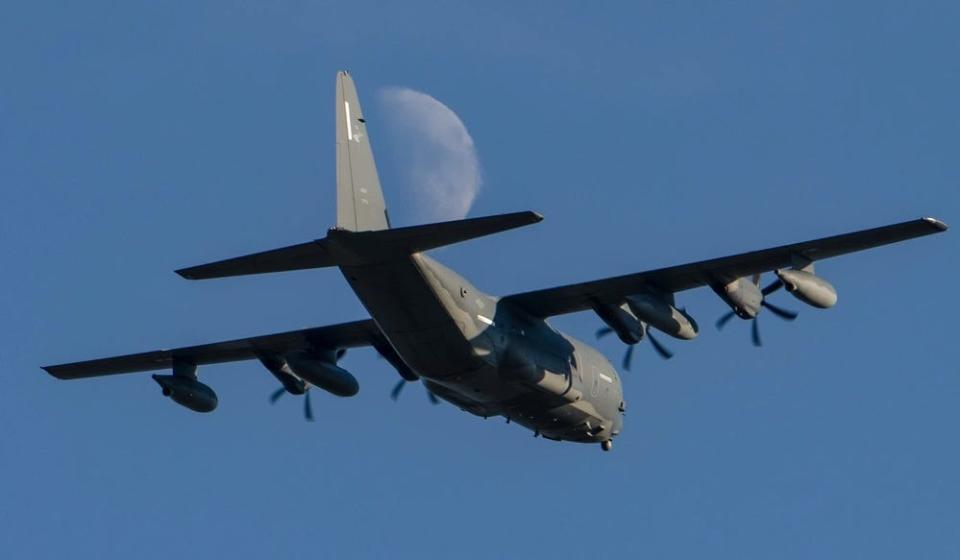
[(360, 205)]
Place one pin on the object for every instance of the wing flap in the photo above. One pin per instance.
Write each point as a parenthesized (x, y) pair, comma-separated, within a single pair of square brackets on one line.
[(343, 335), (582, 296)]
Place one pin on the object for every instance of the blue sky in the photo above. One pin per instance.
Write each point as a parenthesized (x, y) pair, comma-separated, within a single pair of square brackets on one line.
[(139, 137)]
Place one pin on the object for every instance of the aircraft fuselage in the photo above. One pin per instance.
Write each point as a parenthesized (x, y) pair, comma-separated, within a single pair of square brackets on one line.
[(487, 358)]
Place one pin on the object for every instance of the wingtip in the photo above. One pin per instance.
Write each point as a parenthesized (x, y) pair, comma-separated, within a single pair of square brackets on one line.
[(536, 216), (941, 226)]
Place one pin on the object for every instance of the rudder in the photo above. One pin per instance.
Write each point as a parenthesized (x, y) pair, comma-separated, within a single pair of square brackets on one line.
[(360, 205)]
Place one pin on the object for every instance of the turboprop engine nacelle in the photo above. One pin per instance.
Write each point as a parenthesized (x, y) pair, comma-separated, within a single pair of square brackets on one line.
[(663, 316), (808, 288), (627, 327), (321, 370), (281, 370), (743, 296), (187, 392)]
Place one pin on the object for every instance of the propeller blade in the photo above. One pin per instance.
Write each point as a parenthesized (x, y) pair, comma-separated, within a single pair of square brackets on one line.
[(397, 389), (755, 333), (774, 286), (660, 348), (725, 319), (433, 398), (785, 314), (603, 331), (628, 357), (341, 352), (307, 408), (277, 394)]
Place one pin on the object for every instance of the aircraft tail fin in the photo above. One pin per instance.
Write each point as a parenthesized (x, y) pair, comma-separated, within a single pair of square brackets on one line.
[(360, 205), (362, 234)]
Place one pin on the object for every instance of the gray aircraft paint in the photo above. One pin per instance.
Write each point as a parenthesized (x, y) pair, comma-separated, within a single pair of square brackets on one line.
[(360, 205), (486, 355), (483, 357)]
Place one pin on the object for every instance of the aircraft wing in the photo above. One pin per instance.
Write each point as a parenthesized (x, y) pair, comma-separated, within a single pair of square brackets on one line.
[(343, 335), (579, 297)]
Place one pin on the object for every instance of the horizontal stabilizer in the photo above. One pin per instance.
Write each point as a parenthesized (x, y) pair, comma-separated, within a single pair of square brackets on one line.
[(414, 239), (312, 254), (350, 248)]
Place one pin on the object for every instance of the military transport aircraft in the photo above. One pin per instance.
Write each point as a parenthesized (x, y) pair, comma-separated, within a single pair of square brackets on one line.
[(487, 355)]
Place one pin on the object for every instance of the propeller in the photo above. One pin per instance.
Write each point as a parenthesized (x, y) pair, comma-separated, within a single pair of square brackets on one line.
[(628, 355), (772, 287), (398, 388), (784, 314), (406, 374), (307, 407)]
